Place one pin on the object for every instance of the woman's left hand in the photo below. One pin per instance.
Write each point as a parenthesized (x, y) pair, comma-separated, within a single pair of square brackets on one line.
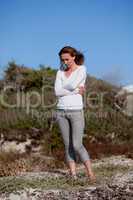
[(81, 90)]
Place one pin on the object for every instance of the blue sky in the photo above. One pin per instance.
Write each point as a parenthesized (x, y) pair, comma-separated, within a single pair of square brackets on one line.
[(33, 31)]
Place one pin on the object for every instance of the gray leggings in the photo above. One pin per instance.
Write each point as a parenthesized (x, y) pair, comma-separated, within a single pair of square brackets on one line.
[(71, 124)]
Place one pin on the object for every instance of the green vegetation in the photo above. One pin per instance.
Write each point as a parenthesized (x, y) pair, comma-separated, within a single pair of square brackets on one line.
[(27, 102)]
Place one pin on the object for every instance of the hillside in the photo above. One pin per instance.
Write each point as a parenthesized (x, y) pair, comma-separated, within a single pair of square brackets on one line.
[(28, 124)]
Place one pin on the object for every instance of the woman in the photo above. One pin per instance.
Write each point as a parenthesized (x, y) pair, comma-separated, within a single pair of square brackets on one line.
[(69, 88)]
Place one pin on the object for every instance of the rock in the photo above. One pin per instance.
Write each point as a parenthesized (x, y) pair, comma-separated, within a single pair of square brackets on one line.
[(8, 146), (14, 196)]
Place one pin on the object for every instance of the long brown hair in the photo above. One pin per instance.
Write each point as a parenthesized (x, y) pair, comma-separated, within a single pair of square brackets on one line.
[(79, 57)]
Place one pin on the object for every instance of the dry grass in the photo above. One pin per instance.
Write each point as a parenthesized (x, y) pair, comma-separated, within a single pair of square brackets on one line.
[(12, 163), (104, 174)]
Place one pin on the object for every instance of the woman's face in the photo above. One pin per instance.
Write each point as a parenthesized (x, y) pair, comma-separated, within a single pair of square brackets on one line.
[(66, 58)]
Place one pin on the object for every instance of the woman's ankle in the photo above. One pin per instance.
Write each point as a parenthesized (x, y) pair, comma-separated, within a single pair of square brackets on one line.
[(72, 168)]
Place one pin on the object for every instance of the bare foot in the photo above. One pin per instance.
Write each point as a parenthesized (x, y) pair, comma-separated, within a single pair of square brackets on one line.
[(92, 177)]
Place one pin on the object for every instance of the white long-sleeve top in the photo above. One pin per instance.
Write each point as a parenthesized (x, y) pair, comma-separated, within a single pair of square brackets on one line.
[(66, 88)]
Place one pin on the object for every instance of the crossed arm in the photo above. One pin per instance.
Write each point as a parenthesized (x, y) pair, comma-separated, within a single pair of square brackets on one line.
[(73, 87)]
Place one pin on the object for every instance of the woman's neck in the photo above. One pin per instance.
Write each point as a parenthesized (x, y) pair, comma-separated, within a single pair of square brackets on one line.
[(73, 67)]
